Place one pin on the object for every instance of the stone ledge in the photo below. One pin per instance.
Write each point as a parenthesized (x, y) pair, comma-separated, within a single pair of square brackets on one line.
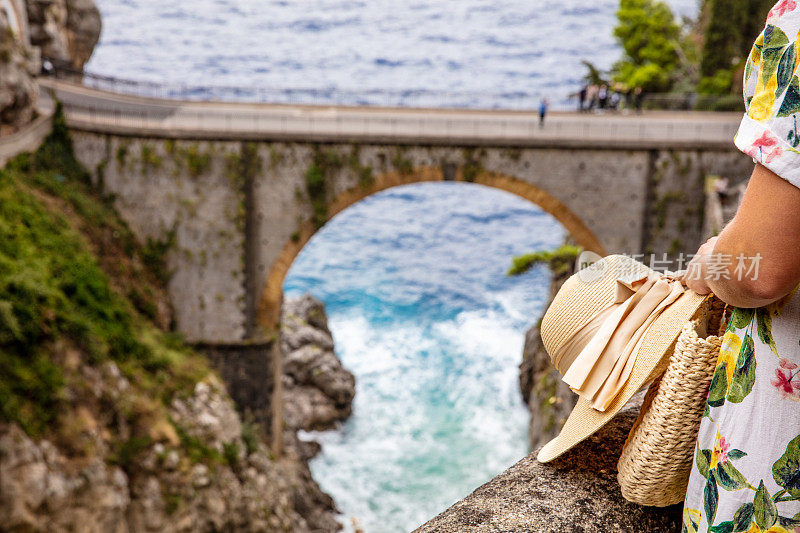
[(577, 492)]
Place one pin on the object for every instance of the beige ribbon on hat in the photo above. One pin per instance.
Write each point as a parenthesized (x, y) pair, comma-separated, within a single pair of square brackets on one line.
[(598, 359)]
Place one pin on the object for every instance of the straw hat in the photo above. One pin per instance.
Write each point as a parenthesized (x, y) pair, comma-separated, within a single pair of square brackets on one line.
[(594, 291)]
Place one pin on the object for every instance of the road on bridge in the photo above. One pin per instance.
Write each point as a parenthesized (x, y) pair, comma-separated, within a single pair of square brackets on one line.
[(106, 112)]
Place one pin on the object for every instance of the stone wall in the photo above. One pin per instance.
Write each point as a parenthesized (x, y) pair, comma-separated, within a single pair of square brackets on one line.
[(186, 199), (675, 214), (233, 215)]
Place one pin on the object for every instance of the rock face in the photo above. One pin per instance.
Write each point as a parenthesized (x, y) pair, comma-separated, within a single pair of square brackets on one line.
[(577, 492), (215, 476), (548, 398), (317, 390), (65, 30), (18, 90)]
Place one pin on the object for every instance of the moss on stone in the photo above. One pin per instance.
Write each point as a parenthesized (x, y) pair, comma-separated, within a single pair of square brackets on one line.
[(275, 156), (323, 163), (150, 160), (662, 204), (121, 156), (402, 164), (197, 162), (560, 260)]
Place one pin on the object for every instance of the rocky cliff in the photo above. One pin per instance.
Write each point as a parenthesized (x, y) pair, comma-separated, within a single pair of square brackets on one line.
[(108, 422), (198, 469), (62, 31), (18, 90), (66, 31), (548, 398), (317, 390)]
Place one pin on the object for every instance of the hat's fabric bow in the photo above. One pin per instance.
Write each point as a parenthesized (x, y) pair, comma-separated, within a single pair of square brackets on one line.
[(598, 359)]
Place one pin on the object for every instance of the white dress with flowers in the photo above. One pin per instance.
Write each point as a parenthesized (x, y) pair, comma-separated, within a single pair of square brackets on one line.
[(746, 472)]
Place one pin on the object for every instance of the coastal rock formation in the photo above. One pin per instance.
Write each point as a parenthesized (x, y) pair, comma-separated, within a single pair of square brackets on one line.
[(216, 476), (66, 31), (317, 390), (548, 398), (18, 90), (577, 492)]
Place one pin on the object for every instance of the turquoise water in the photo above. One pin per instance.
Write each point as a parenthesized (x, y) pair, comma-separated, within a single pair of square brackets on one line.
[(422, 313)]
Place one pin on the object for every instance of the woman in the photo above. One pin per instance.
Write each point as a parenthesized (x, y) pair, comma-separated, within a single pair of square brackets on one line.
[(746, 474)]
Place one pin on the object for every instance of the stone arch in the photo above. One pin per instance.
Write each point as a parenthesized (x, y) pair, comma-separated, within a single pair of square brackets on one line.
[(272, 294)]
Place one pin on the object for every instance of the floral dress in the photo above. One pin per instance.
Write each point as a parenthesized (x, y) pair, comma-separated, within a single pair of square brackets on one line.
[(746, 471)]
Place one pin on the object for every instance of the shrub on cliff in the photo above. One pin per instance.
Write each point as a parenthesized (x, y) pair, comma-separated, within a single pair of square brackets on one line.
[(73, 280)]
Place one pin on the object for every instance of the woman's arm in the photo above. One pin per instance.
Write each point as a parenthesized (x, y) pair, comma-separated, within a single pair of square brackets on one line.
[(766, 226)]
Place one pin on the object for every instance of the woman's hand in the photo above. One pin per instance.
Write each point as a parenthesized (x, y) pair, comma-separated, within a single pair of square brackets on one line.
[(765, 233), (695, 276)]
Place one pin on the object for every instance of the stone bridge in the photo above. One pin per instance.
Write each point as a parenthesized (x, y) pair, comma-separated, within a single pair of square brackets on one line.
[(232, 192)]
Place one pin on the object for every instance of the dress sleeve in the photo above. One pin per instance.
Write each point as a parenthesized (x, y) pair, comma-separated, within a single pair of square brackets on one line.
[(769, 129)]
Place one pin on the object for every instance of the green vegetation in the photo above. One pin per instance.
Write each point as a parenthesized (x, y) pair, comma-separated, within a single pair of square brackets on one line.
[(472, 165), (196, 162), (732, 27), (154, 254), (191, 158), (250, 436), (704, 56), (364, 173), (650, 40), (150, 159), (198, 451), (402, 164), (122, 156), (68, 265), (560, 260), (323, 163)]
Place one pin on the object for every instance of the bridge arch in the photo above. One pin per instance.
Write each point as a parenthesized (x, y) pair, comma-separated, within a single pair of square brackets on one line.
[(271, 296)]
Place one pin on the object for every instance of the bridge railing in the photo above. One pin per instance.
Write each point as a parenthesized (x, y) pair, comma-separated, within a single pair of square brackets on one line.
[(374, 97), (230, 122)]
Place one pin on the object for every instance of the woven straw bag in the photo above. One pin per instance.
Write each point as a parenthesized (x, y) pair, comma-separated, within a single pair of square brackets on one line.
[(657, 456)]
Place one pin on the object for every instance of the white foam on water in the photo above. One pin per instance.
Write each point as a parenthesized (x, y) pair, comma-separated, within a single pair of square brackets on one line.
[(437, 412)]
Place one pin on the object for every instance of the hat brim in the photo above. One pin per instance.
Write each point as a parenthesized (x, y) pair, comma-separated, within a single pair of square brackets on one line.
[(651, 361)]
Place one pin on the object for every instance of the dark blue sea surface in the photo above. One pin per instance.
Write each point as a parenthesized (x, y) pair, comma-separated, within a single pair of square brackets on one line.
[(474, 53), (423, 313)]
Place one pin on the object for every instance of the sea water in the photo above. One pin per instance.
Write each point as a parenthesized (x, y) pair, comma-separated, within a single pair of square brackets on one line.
[(423, 313), (499, 53)]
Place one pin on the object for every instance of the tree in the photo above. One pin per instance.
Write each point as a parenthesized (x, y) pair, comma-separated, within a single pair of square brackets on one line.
[(593, 74), (651, 41), (732, 27)]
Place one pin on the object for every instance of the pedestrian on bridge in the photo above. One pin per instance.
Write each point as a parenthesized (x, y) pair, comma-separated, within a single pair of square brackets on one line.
[(582, 97), (544, 104)]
